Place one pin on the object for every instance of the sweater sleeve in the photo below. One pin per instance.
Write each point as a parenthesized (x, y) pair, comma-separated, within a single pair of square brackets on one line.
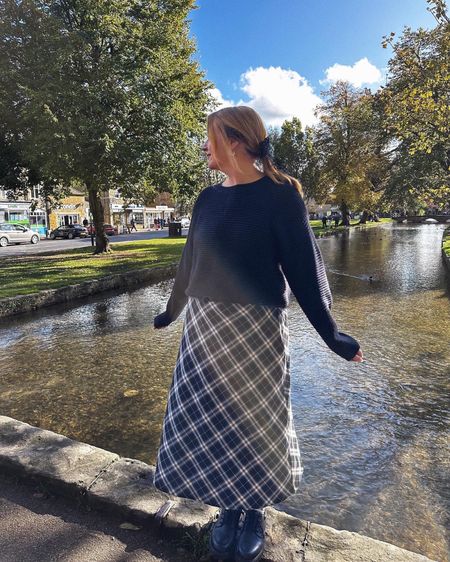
[(178, 297), (302, 264)]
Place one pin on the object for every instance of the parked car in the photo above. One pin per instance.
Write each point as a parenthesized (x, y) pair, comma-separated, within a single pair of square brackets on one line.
[(185, 222), (69, 231), (16, 234), (109, 229)]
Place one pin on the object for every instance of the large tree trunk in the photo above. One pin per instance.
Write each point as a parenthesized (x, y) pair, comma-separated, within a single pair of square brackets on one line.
[(345, 214), (98, 215)]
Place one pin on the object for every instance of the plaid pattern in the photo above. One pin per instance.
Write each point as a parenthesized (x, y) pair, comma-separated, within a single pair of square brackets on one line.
[(228, 438)]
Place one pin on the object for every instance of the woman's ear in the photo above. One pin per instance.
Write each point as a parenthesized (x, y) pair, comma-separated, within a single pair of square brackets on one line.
[(234, 144)]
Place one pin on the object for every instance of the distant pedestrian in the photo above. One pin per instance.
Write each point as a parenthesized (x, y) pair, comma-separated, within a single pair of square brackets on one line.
[(133, 225), (324, 221), (336, 220)]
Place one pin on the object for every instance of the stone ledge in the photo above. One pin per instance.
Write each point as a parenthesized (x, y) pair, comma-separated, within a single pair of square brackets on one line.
[(25, 303), (125, 486)]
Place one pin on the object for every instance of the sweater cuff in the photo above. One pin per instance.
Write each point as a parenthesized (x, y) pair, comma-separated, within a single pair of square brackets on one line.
[(345, 346), (162, 320)]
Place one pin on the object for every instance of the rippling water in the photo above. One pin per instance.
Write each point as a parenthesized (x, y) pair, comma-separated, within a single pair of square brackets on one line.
[(374, 437)]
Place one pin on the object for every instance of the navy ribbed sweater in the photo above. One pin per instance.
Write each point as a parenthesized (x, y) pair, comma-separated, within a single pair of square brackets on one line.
[(244, 243)]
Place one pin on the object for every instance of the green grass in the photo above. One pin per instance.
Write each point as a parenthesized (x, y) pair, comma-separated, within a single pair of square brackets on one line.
[(446, 242), (26, 275)]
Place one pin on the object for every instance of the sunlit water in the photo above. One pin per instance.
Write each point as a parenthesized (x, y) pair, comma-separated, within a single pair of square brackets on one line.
[(374, 437)]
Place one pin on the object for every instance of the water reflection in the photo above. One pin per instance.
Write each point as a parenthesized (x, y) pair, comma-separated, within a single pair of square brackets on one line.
[(374, 437)]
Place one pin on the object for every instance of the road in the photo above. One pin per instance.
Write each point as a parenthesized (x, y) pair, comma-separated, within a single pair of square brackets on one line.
[(46, 245), (38, 527)]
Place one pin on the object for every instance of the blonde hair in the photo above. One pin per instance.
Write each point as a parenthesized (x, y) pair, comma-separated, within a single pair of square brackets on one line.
[(244, 124)]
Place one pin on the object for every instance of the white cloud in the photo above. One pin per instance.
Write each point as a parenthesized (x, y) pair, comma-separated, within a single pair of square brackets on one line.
[(276, 94), (362, 72)]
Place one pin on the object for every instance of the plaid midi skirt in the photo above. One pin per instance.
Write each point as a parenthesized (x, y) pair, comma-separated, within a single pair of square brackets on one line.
[(228, 438)]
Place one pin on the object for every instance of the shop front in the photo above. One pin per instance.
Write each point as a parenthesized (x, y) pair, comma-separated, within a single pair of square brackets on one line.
[(122, 216), (72, 210), (19, 212), (143, 217), (15, 212), (154, 214)]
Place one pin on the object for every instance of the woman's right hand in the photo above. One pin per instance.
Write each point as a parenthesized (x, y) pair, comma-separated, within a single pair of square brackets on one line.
[(358, 357)]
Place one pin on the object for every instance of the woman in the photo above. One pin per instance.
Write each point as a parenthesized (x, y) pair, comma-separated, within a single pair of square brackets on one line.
[(228, 438)]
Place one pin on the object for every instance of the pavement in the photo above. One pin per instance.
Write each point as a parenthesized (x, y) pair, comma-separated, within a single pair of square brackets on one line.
[(36, 526), (48, 246)]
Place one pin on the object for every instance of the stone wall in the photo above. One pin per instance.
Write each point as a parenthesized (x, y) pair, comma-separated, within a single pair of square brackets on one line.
[(106, 481), (26, 303)]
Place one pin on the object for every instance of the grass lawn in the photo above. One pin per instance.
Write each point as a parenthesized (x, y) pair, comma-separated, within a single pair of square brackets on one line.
[(446, 242), (30, 274), (24, 275)]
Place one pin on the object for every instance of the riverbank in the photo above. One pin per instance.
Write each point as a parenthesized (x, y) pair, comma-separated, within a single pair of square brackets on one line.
[(25, 275), (29, 283), (105, 481), (320, 232)]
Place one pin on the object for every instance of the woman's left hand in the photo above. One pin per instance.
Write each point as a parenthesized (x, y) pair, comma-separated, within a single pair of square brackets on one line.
[(358, 357)]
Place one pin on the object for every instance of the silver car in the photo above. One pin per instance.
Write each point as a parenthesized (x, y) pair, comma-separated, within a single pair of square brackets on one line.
[(16, 234)]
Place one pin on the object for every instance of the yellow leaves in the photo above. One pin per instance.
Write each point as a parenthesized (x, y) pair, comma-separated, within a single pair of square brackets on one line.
[(130, 393), (130, 526), (47, 111)]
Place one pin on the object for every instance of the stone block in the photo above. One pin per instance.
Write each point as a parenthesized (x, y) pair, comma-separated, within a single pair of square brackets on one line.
[(61, 463), (126, 487), (326, 544), (284, 537)]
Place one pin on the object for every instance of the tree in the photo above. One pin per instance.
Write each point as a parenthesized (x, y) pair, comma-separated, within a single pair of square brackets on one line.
[(18, 176), (294, 153), (417, 95), (104, 94), (289, 150), (351, 149), (310, 177), (415, 181), (417, 113)]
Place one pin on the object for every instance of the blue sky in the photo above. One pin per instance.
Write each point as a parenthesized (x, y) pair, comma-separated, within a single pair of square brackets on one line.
[(278, 55)]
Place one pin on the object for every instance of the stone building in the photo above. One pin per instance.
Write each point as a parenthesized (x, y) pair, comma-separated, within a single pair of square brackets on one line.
[(73, 209)]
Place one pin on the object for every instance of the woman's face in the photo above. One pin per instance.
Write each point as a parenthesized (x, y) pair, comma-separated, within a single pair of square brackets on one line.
[(210, 157), (217, 159)]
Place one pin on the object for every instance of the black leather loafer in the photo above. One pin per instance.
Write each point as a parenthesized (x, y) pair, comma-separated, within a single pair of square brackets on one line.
[(222, 540), (251, 540)]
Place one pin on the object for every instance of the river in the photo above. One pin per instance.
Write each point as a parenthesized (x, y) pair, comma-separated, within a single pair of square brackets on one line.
[(374, 437)]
